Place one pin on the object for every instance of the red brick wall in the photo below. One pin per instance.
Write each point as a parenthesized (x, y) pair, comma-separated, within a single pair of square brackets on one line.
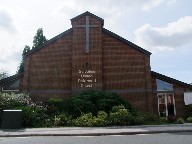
[(81, 61), (48, 70), (126, 70), (178, 95)]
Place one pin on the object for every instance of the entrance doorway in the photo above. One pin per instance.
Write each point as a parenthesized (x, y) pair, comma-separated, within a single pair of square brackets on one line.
[(166, 104)]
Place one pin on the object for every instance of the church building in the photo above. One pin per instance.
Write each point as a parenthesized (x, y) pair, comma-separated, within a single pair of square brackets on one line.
[(88, 56)]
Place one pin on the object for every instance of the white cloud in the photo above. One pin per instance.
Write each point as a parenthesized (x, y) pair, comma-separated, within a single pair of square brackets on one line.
[(74, 8), (107, 8), (170, 37), (6, 21), (149, 4), (110, 10)]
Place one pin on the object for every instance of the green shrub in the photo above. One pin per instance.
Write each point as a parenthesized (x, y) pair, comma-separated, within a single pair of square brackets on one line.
[(84, 120), (12, 101), (164, 120), (149, 118), (180, 121), (94, 101), (54, 106), (101, 119), (188, 109), (119, 115), (62, 120), (35, 117), (56, 121), (136, 120), (189, 119), (89, 120)]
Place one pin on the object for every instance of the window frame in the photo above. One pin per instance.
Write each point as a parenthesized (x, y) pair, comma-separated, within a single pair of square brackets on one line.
[(166, 106)]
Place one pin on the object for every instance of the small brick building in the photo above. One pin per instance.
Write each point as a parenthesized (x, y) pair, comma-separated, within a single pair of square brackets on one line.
[(88, 56)]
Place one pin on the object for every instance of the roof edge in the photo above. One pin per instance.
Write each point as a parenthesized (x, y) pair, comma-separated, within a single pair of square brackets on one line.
[(127, 42), (11, 78), (169, 79), (88, 13), (49, 41)]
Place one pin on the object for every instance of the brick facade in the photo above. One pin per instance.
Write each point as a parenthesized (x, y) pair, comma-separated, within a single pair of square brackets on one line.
[(63, 67), (178, 92)]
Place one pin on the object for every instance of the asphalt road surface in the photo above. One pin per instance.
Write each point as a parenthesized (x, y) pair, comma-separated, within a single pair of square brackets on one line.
[(171, 138)]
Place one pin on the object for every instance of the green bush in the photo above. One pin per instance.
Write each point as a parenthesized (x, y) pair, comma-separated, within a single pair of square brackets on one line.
[(12, 101), (164, 120), (101, 119), (119, 115), (149, 118), (188, 109), (180, 121), (189, 119), (35, 117), (94, 101), (62, 120), (89, 108), (136, 120), (54, 106), (84, 120), (88, 120)]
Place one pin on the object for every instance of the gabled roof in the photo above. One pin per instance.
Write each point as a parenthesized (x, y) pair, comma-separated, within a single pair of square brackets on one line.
[(104, 30), (49, 41), (90, 14), (11, 78), (171, 80), (126, 42)]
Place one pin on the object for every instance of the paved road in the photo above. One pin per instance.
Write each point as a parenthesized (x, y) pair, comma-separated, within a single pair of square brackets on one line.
[(171, 138)]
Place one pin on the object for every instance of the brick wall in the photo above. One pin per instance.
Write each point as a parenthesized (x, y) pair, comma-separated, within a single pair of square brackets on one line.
[(48, 70), (126, 71), (178, 91), (83, 62)]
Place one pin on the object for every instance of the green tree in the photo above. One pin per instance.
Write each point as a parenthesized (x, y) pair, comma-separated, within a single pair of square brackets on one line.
[(39, 38), (21, 66), (3, 74)]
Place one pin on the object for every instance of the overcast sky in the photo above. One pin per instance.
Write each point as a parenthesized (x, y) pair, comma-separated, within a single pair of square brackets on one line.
[(163, 27)]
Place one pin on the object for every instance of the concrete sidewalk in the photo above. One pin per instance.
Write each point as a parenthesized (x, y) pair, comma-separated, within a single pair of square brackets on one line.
[(96, 131)]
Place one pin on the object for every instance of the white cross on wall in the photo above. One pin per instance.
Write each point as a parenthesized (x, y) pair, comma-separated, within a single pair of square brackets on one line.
[(87, 26)]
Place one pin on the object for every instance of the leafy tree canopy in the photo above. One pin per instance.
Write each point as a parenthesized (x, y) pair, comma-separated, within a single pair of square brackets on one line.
[(21, 66), (39, 38), (3, 74)]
